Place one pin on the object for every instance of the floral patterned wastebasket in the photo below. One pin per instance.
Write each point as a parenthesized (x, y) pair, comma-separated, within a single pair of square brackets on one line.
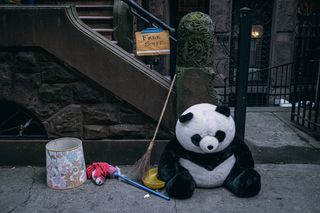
[(65, 163)]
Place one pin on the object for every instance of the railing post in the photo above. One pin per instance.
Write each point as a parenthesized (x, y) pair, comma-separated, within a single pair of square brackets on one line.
[(242, 73), (123, 25)]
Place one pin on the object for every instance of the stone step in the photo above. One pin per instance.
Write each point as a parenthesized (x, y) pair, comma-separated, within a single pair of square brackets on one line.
[(108, 33), (77, 2), (95, 10), (96, 18), (98, 22), (94, 6)]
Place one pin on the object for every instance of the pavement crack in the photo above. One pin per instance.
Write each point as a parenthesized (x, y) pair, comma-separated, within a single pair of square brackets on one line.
[(25, 202), (30, 188), (175, 205)]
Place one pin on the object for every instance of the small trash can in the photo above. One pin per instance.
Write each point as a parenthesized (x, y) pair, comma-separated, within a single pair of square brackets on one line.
[(66, 166)]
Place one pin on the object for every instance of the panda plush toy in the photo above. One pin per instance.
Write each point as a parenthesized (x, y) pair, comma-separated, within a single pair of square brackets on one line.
[(206, 153)]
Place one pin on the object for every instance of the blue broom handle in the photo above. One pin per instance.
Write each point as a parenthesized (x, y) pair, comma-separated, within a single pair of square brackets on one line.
[(117, 175)]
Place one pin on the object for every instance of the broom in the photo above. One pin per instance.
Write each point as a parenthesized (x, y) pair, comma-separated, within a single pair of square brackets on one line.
[(143, 164)]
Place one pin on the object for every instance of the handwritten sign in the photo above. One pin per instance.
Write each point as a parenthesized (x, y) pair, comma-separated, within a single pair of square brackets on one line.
[(152, 41)]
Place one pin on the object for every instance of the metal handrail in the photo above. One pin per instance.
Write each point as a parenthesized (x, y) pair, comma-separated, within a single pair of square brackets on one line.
[(149, 18)]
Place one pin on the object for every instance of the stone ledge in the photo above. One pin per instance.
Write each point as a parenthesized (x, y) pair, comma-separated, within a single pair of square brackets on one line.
[(127, 152), (118, 152)]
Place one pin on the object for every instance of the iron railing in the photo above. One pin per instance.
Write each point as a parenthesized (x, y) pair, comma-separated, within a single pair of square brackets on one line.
[(306, 93), (306, 99), (266, 87)]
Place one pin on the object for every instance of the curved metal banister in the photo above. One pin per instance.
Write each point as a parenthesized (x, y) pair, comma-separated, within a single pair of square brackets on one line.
[(147, 16)]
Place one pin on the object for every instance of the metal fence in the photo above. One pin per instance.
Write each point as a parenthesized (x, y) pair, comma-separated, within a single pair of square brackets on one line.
[(306, 96), (306, 81), (266, 87)]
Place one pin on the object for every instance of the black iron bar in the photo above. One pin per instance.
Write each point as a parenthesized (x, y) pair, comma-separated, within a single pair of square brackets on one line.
[(286, 83), (312, 80), (242, 72), (225, 91), (147, 15), (273, 84), (269, 83), (281, 85), (317, 98), (312, 122)]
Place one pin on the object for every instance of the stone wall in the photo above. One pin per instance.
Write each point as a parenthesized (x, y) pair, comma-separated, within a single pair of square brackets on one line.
[(283, 32), (66, 103)]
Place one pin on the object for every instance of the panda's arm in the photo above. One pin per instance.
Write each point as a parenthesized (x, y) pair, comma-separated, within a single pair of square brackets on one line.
[(168, 164), (242, 154)]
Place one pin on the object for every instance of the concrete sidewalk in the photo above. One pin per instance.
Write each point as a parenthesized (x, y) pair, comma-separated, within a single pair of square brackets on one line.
[(285, 188), (273, 138)]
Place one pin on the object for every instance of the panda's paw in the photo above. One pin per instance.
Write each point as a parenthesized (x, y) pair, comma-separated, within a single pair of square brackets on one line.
[(181, 186), (247, 184)]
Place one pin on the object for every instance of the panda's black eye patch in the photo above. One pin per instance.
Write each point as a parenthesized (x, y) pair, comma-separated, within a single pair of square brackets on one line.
[(220, 135), (186, 117), (196, 139)]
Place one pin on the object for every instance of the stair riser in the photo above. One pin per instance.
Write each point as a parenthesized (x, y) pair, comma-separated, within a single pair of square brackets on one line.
[(106, 2), (108, 35), (91, 12), (107, 25)]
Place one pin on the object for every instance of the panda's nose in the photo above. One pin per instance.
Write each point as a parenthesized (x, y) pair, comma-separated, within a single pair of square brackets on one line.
[(209, 144)]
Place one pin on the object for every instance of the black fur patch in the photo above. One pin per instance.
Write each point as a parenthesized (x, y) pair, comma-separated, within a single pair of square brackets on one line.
[(220, 135), (223, 110), (208, 161), (181, 186), (196, 139), (247, 183), (186, 117), (168, 167)]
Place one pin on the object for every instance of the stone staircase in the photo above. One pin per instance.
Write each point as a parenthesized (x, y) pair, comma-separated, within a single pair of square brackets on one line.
[(105, 64)]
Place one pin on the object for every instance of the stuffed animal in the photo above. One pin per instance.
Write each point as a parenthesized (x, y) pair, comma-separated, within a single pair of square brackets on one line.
[(99, 171), (206, 153)]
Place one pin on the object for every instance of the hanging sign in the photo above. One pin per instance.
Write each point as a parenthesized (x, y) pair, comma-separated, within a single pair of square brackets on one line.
[(152, 41)]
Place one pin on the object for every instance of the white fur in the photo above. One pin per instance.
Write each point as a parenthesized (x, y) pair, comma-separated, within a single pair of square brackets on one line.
[(205, 122), (205, 178)]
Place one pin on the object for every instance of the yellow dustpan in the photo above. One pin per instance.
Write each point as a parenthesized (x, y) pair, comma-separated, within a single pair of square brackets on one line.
[(151, 181)]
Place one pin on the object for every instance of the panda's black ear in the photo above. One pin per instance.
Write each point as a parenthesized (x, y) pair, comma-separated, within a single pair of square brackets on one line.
[(186, 117), (223, 110)]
